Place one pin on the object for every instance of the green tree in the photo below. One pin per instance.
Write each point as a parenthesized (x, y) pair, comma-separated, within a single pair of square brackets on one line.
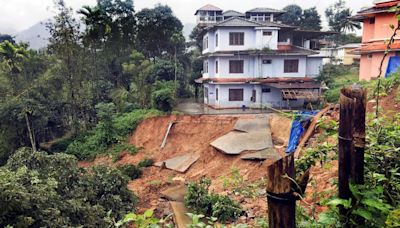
[(141, 70), (196, 36), (156, 29), (311, 20), (292, 16), (338, 17)]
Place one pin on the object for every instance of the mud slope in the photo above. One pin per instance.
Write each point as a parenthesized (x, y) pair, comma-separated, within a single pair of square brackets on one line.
[(189, 134)]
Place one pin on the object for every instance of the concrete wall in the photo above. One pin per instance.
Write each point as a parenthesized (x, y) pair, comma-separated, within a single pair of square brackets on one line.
[(253, 39), (369, 65), (314, 66), (270, 99), (254, 68)]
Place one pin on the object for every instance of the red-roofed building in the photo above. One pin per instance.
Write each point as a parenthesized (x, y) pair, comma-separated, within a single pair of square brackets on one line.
[(377, 21)]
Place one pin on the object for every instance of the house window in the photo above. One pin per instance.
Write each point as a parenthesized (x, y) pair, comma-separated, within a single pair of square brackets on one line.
[(216, 40), (216, 94), (369, 56), (253, 96), (236, 66), (266, 90), (216, 67), (205, 42), (291, 66), (205, 67), (236, 38), (235, 94), (267, 33), (267, 61)]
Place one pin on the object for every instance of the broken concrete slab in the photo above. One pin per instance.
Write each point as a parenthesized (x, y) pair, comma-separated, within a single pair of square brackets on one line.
[(252, 125), (267, 154), (176, 193), (182, 220), (236, 142), (180, 163)]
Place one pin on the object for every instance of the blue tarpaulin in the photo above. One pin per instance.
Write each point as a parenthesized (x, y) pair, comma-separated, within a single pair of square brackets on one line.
[(297, 129), (393, 65)]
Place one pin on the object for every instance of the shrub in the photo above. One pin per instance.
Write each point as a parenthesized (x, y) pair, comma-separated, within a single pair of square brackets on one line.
[(41, 190), (108, 132), (145, 163), (163, 96), (132, 171), (201, 201)]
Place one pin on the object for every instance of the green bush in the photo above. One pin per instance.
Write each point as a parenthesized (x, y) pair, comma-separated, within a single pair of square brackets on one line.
[(132, 171), (201, 201), (145, 163), (163, 96), (108, 131), (41, 190)]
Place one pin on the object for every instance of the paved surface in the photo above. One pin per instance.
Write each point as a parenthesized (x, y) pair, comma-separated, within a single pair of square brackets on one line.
[(180, 163), (192, 107), (252, 125), (176, 193), (236, 142), (182, 220)]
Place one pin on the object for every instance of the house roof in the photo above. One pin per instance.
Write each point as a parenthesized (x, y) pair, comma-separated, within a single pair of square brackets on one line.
[(267, 80), (265, 10), (237, 22), (233, 13), (242, 22), (371, 48), (208, 7), (382, 6), (351, 45)]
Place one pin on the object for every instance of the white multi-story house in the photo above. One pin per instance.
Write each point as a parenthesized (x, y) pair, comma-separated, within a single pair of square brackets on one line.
[(251, 60)]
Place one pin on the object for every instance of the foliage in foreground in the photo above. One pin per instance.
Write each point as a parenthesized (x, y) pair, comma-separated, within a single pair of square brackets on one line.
[(201, 201), (377, 202), (111, 129), (40, 190)]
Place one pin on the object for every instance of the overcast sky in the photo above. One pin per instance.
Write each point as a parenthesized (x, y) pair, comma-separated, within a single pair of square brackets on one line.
[(18, 15)]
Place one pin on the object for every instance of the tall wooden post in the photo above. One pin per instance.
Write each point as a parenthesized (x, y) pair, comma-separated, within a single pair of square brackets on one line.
[(347, 110), (281, 202), (351, 140)]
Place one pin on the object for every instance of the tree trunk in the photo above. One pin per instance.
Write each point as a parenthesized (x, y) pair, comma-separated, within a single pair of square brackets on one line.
[(30, 132)]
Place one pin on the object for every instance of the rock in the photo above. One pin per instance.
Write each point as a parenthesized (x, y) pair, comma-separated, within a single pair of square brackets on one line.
[(242, 219)]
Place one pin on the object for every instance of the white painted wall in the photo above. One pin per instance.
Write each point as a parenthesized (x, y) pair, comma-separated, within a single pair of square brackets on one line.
[(314, 66), (253, 39), (254, 68), (271, 99)]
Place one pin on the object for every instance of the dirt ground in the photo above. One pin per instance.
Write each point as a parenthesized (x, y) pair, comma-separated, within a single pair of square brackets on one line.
[(192, 134), (189, 134)]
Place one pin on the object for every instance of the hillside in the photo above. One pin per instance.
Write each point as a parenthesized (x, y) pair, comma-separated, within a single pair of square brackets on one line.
[(36, 35)]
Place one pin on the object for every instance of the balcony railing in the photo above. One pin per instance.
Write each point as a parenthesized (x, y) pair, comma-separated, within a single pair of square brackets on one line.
[(209, 19)]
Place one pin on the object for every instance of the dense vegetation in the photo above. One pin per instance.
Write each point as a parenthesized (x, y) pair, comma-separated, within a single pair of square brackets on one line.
[(89, 85), (40, 190), (202, 202)]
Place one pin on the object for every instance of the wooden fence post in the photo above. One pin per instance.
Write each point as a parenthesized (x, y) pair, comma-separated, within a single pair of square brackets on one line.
[(281, 201), (351, 140)]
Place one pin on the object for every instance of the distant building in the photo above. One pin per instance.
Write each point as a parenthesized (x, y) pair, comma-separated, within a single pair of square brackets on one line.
[(252, 60), (376, 30), (341, 55)]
